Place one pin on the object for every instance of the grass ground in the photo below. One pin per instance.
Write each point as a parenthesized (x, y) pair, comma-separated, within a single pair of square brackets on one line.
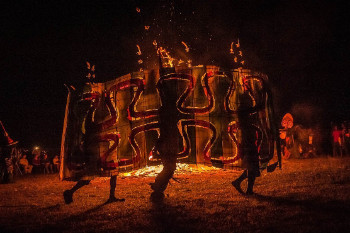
[(309, 195)]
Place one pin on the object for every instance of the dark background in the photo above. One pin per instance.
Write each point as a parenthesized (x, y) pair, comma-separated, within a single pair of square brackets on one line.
[(301, 45)]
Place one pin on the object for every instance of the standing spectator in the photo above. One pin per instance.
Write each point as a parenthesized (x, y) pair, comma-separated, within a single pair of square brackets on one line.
[(345, 138), (56, 163), (46, 164), (337, 141), (7, 153), (25, 164)]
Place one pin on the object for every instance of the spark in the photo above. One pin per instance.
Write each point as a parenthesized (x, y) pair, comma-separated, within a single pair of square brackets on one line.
[(238, 44), (231, 49), (235, 59), (240, 53), (138, 10), (155, 43), (189, 62), (147, 27), (186, 47), (139, 50), (140, 61)]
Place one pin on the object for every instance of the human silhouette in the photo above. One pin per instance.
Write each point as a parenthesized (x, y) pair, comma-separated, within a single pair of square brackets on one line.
[(248, 147), (168, 141)]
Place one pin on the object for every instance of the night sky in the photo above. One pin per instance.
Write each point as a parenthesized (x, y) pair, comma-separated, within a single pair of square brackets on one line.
[(301, 45)]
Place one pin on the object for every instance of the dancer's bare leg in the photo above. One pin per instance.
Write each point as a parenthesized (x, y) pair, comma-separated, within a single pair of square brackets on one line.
[(68, 194), (113, 185), (162, 179), (237, 183), (251, 181)]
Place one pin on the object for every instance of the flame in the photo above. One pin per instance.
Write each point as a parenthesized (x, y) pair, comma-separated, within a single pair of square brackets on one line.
[(181, 168), (165, 55), (138, 10), (186, 47)]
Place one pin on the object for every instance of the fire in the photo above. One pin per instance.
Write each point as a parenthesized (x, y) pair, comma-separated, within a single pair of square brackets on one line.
[(169, 61), (181, 168)]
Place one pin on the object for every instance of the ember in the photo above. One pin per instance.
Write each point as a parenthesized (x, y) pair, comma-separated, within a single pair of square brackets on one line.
[(182, 168)]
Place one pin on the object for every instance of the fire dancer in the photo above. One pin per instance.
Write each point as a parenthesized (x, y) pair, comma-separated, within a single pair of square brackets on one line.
[(250, 157), (94, 157), (248, 147), (167, 144)]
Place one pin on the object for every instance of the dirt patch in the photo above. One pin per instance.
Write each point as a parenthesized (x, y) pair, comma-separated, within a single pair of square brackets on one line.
[(310, 195)]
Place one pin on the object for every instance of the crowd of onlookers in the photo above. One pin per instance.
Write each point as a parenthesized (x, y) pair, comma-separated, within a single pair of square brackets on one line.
[(38, 163), (341, 139)]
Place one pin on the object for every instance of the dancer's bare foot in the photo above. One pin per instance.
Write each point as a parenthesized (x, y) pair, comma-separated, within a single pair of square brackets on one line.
[(237, 186), (114, 199), (68, 196), (157, 197), (250, 192)]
